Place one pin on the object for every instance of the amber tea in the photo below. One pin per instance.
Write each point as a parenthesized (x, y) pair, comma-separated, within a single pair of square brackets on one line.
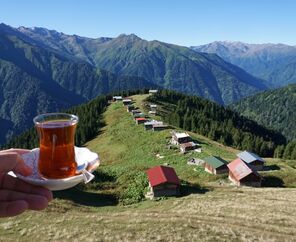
[(56, 137)]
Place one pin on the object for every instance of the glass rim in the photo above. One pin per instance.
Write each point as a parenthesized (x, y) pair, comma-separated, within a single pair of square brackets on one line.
[(71, 117)]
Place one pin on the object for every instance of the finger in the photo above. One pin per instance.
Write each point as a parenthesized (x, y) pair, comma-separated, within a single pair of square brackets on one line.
[(12, 183), (12, 161), (35, 202), (9, 209), (91, 167)]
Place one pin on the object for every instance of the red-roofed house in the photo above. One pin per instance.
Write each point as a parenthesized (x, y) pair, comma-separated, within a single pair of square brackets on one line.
[(242, 175), (141, 120), (163, 181)]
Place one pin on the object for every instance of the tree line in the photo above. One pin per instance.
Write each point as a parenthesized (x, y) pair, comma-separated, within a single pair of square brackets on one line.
[(216, 122), (272, 108), (286, 151)]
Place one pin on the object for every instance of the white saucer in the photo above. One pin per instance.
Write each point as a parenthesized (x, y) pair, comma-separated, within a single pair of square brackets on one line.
[(86, 160)]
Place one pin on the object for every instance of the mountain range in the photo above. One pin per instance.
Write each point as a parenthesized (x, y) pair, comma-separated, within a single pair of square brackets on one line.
[(167, 65), (45, 71), (275, 63)]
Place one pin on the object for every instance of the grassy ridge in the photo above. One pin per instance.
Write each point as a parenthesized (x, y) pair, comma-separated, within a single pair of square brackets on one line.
[(212, 212), (127, 151)]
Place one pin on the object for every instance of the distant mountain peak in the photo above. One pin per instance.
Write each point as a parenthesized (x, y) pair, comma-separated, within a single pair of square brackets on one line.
[(241, 46), (132, 37), (5, 27)]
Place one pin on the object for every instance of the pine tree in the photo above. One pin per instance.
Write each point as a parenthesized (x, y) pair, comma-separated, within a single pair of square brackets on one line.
[(288, 151), (279, 151)]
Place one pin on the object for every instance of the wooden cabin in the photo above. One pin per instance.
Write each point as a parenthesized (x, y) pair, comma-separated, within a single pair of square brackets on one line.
[(134, 111), (215, 165), (140, 120), (117, 98), (130, 107), (252, 160), (180, 138), (152, 112), (149, 125), (153, 91), (185, 147), (242, 175), (159, 127), (127, 101), (153, 107), (163, 181), (139, 115)]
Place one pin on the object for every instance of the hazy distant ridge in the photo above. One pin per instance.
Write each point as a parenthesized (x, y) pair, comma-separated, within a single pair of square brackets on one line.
[(272, 62)]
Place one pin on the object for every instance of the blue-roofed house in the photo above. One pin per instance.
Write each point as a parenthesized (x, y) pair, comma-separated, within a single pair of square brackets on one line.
[(251, 159)]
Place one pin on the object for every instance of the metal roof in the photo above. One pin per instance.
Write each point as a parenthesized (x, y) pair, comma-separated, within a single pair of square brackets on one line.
[(162, 174), (136, 113), (152, 122), (181, 135), (249, 157), (239, 169), (215, 161), (188, 144), (159, 125)]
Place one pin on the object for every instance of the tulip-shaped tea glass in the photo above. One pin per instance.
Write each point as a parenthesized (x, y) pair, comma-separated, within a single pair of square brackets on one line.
[(56, 138)]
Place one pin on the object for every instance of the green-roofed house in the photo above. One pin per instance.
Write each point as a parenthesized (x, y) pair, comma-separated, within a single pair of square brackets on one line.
[(215, 165)]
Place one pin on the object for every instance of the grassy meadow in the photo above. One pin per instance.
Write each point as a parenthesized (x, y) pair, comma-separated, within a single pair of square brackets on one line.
[(112, 208)]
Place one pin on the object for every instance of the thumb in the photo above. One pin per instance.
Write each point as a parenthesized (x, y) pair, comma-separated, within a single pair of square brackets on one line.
[(12, 161)]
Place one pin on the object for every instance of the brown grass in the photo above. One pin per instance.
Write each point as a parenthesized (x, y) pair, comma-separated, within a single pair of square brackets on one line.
[(230, 214)]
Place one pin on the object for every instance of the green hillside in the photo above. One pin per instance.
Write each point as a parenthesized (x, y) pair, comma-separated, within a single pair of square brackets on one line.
[(128, 151), (275, 109), (216, 122), (211, 209)]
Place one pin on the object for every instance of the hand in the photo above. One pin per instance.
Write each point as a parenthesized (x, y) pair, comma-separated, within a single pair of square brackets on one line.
[(16, 196), (93, 165)]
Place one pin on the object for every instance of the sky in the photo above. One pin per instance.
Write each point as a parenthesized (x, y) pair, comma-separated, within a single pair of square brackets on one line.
[(182, 22)]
